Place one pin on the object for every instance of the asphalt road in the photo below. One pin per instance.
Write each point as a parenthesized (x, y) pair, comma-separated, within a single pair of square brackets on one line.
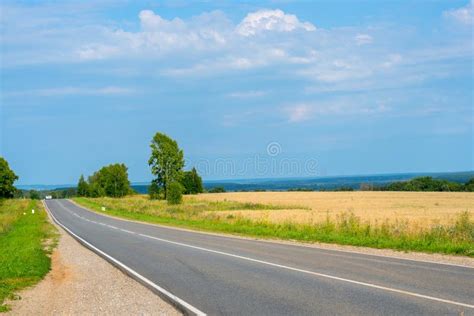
[(230, 276)]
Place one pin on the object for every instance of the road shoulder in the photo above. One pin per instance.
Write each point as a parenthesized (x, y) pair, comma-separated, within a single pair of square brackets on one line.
[(81, 282)]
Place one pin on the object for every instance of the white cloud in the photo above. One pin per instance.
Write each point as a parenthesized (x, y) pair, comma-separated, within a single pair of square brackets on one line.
[(362, 39), (210, 44), (208, 33), (152, 22), (271, 20), (464, 15), (158, 37)]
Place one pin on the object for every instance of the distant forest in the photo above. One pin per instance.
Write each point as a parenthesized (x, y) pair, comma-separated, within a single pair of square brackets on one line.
[(429, 184), (443, 182)]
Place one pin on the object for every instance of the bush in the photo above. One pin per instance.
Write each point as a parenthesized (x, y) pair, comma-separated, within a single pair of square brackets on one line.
[(155, 191), (175, 193), (217, 190), (34, 195)]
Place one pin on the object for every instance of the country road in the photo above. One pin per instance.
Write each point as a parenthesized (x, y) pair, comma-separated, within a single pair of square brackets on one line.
[(219, 275)]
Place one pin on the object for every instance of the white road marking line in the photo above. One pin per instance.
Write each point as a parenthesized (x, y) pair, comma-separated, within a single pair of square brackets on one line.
[(130, 270), (371, 285)]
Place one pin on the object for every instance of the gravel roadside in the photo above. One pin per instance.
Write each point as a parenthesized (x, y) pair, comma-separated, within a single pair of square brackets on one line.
[(82, 283)]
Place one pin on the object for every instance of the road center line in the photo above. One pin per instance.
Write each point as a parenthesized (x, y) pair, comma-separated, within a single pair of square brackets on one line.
[(323, 275)]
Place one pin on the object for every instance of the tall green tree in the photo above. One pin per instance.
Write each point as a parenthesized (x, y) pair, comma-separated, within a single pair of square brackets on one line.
[(7, 178), (82, 187), (192, 182), (166, 161)]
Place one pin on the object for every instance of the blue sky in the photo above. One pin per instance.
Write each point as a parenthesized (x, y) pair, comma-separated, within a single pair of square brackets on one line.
[(255, 89)]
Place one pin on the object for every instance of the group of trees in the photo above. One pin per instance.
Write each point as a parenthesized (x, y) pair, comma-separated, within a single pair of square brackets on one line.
[(167, 163), (429, 184), (192, 182), (111, 180)]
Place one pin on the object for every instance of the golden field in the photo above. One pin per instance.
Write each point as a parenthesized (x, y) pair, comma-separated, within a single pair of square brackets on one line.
[(420, 221), (420, 208)]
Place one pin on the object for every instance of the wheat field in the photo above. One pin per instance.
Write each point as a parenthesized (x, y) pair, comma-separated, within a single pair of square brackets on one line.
[(418, 208), (433, 222)]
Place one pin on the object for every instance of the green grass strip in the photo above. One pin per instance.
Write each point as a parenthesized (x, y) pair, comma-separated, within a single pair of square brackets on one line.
[(24, 257), (348, 230)]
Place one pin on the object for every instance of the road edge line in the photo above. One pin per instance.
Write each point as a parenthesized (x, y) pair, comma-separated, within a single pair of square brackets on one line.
[(177, 302)]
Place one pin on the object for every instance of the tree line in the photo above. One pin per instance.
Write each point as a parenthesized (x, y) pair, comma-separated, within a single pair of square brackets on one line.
[(171, 181), (429, 184)]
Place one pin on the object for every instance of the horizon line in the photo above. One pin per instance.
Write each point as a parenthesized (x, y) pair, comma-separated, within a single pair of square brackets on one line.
[(64, 185)]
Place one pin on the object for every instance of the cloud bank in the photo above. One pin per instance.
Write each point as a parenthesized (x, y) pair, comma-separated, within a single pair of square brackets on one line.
[(280, 46)]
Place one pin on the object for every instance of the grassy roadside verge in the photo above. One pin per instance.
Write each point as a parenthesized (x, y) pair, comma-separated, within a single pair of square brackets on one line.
[(26, 242), (347, 229)]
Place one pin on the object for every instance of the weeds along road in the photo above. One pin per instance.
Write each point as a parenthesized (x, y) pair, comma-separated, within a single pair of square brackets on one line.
[(215, 275)]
